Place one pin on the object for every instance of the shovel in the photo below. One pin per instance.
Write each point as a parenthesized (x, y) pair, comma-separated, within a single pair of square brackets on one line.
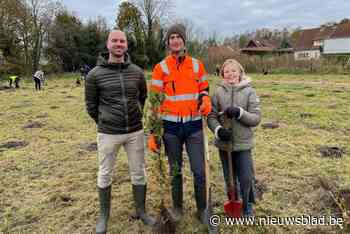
[(232, 207), (209, 209)]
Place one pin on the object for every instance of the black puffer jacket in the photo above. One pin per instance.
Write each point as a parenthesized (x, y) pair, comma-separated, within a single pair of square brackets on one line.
[(115, 95)]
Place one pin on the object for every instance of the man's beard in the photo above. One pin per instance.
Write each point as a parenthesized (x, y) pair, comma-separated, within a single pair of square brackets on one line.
[(117, 55)]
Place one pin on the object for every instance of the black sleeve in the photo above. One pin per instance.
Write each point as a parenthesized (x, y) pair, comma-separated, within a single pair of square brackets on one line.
[(142, 90), (91, 96)]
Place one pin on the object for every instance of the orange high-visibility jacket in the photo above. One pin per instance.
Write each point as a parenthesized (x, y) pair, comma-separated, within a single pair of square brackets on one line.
[(181, 83)]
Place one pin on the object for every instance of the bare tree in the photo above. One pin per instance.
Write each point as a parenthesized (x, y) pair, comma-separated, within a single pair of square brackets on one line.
[(42, 12), (154, 14), (152, 11)]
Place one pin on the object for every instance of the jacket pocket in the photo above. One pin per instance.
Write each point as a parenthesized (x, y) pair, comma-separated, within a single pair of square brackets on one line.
[(242, 133), (169, 85)]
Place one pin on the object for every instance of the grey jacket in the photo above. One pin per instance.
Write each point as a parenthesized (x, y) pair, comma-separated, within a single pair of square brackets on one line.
[(115, 95), (241, 95)]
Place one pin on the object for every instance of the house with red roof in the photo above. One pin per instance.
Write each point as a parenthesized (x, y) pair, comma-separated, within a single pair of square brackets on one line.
[(339, 42), (264, 47), (325, 40)]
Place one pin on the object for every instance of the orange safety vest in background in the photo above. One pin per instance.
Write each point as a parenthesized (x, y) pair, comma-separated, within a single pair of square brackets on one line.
[(181, 83)]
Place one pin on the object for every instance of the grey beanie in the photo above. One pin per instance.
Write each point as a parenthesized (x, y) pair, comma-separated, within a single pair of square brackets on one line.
[(178, 29)]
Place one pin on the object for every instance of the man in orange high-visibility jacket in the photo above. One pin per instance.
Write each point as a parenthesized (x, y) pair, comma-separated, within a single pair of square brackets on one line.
[(183, 80)]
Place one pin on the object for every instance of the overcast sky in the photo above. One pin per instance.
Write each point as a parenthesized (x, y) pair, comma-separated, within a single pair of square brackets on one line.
[(229, 17)]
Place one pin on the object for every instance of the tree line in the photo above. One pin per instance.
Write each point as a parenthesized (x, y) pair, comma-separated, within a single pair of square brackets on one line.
[(34, 32)]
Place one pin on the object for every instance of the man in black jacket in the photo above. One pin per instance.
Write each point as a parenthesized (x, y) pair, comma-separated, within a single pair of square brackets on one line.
[(115, 94)]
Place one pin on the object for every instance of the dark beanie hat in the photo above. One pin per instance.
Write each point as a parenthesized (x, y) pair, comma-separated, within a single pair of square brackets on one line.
[(176, 28)]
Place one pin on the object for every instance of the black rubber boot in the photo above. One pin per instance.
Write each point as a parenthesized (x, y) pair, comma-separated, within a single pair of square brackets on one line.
[(105, 206), (201, 201), (177, 195), (139, 192)]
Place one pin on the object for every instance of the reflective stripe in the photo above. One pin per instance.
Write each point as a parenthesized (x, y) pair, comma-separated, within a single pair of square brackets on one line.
[(178, 119), (189, 118), (204, 92), (158, 83), (195, 65), (204, 78), (164, 67), (184, 97)]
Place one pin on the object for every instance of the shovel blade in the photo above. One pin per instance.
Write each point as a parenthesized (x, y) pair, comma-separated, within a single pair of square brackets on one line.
[(233, 208)]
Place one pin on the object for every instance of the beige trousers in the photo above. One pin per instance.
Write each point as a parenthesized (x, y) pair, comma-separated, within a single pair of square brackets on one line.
[(108, 148)]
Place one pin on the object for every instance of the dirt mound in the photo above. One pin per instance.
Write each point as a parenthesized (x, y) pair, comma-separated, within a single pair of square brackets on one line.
[(3, 88), (331, 151), (70, 96), (13, 145), (338, 91), (270, 125), (19, 106), (89, 146), (260, 188), (54, 107), (310, 95), (33, 124), (333, 105), (165, 223), (265, 95), (44, 115), (306, 115), (60, 200), (334, 198)]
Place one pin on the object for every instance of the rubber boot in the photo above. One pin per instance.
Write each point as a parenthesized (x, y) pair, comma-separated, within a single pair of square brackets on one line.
[(105, 206), (177, 195), (139, 192)]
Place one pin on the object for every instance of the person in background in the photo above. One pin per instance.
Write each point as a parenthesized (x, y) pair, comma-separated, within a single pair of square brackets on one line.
[(15, 80), (38, 78), (84, 70), (217, 70)]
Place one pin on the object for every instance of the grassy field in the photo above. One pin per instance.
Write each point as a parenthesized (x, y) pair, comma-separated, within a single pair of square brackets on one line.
[(48, 160)]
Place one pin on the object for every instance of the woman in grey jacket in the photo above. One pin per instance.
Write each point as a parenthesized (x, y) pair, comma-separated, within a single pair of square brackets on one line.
[(235, 110)]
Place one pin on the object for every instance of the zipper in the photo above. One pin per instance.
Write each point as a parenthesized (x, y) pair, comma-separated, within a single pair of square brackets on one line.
[(232, 101), (124, 100), (173, 86)]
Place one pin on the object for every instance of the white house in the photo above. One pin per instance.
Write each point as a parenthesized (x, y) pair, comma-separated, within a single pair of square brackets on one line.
[(305, 48), (339, 42), (325, 40)]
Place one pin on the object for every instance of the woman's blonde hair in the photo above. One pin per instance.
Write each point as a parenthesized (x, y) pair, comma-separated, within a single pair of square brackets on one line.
[(233, 62)]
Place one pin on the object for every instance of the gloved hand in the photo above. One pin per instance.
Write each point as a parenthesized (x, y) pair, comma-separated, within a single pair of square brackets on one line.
[(205, 107), (153, 144), (232, 112), (224, 134)]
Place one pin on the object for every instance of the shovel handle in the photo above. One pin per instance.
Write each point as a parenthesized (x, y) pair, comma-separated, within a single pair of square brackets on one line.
[(232, 186), (206, 158)]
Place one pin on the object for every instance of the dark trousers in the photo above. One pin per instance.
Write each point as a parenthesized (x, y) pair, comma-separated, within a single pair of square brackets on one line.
[(175, 136), (17, 83), (37, 83), (243, 173)]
